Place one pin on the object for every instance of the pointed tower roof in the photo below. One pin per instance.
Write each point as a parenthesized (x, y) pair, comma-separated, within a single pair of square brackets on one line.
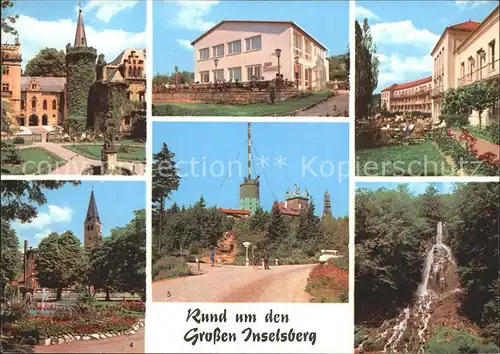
[(80, 37), (92, 213)]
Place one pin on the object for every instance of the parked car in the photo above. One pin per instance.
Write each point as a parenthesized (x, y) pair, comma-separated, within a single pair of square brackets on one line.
[(327, 255)]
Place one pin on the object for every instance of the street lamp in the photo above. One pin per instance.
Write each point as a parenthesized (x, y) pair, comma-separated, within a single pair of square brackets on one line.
[(216, 62), (278, 55), (297, 72)]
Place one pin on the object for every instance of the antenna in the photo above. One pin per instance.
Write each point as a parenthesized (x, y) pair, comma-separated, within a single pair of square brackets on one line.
[(249, 150), (80, 6)]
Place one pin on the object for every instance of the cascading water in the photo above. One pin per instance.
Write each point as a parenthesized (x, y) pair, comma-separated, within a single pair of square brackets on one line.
[(438, 279)]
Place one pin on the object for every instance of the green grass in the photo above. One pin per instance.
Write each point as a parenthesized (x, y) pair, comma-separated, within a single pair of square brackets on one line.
[(250, 110), (485, 133), (37, 161), (126, 141), (133, 153), (422, 159)]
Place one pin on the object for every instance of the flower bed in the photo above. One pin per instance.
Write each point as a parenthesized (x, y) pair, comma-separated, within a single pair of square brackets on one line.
[(134, 306), (328, 283), (464, 153)]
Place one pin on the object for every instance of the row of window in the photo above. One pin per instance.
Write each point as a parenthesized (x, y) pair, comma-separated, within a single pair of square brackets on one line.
[(254, 72), (134, 72), (481, 60), (44, 104), (234, 47)]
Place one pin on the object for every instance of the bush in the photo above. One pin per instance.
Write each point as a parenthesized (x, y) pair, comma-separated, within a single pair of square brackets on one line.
[(296, 256), (18, 140), (9, 154), (133, 306), (450, 340), (170, 267), (328, 283), (494, 132), (171, 110), (272, 93), (458, 121)]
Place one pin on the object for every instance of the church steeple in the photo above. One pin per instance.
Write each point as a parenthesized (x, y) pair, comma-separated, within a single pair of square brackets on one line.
[(80, 37), (92, 224)]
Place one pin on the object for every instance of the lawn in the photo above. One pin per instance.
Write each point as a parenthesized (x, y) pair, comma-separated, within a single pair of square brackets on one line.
[(250, 110), (125, 152), (37, 161), (488, 133), (423, 159)]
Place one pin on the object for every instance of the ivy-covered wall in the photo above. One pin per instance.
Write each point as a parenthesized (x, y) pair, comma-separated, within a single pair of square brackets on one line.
[(80, 63), (107, 97)]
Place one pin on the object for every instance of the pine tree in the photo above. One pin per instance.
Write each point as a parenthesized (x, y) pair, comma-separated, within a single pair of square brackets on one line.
[(327, 207), (277, 228)]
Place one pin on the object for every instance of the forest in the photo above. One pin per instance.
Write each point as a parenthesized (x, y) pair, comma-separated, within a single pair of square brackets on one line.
[(394, 232)]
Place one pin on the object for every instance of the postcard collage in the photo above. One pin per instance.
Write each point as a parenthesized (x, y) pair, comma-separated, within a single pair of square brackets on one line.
[(250, 176)]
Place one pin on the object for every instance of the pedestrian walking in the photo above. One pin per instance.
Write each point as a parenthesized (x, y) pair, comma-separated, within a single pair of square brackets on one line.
[(255, 261), (266, 259), (212, 258)]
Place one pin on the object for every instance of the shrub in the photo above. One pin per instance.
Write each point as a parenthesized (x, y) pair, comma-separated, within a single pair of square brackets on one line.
[(171, 110), (494, 132), (328, 283), (134, 306), (272, 93), (18, 140), (9, 154), (454, 120), (170, 267), (450, 340)]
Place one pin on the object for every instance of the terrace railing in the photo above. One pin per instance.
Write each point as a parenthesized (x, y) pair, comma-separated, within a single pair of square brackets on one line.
[(486, 72), (229, 87)]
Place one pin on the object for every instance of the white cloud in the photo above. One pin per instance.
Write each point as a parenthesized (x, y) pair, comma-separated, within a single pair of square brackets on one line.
[(362, 13), (35, 35), (191, 15), (44, 219), (42, 234), (396, 69), (184, 43), (105, 10), (402, 32), (467, 4)]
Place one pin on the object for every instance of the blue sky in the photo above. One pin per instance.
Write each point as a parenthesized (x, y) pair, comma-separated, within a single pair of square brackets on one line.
[(416, 188), (110, 26), (308, 150), (176, 24), (405, 32), (66, 209)]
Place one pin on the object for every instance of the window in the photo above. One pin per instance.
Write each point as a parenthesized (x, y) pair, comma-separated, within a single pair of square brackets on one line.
[(491, 48), (129, 71), (54, 104), (254, 43), (5, 86), (462, 69), (135, 71), (218, 50), (219, 75), (33, 103), (234, 47), (5, 70), (308, 47), (139, 72), (204, 77), (44, 104), (297, 44), (235, 74), (204, 54), (253, 72)]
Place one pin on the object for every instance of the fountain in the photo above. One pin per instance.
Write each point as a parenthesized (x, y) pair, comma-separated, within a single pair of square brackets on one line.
[(439, 279), (108, 153)]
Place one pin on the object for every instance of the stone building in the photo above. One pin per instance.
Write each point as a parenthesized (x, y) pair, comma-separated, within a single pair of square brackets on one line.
[(46, 102), (413, 96)]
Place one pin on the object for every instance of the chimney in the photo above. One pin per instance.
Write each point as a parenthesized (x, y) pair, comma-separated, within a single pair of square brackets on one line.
[(286, 204)]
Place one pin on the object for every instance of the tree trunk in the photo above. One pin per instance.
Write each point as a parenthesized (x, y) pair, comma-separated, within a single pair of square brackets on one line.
[(107, 295), (480, 122), (59, 294), (160, 226)]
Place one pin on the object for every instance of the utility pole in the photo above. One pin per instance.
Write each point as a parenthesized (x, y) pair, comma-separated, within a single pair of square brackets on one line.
[(25, 262), (249, 150)]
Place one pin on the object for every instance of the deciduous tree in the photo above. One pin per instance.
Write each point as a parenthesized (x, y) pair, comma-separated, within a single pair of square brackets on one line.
[(47, 62)]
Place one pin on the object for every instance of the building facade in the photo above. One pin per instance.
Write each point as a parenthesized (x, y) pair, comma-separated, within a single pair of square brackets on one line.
[(413, 96), (467, 53), (92, 227), (245, 51), (46, 102)]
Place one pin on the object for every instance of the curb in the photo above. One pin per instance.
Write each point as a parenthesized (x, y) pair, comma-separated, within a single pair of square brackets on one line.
[(68, 338)]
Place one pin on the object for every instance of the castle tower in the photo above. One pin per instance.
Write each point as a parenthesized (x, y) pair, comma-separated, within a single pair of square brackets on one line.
[(80, 66), (92, 225), (11, 78), (249, 189), (327, 206)]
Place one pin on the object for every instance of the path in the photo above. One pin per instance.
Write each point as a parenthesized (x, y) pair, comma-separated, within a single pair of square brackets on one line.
[(284, 283), (75, 163), (341, 101), (121, 344), (482, 146)]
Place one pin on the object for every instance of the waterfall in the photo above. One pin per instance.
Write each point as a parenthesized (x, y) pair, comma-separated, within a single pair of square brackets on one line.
[(438, 278)]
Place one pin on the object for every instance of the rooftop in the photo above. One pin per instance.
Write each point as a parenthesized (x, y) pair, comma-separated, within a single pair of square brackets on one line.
[(409, 84), (47, 84)]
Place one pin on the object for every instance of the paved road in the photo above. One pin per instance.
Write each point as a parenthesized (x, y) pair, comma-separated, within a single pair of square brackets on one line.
[(332, 107), (284, 283), (75, 163), (119, 344)]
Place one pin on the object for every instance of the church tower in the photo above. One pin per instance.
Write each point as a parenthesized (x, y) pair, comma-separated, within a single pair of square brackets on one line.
[(80, 67), (327, 206), (92, 225)]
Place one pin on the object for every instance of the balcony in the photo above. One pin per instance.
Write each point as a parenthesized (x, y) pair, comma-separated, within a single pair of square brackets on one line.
[(488, 71), (437, 91)]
